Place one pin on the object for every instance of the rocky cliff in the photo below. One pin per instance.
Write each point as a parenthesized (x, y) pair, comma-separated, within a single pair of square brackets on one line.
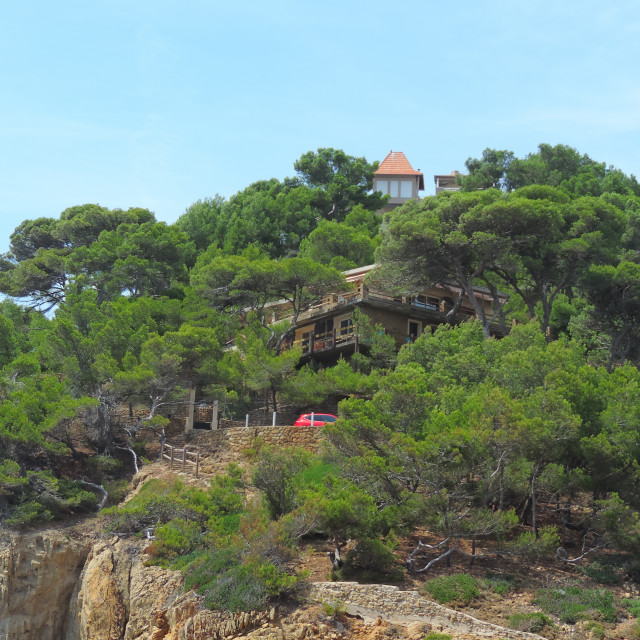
[(38, 574)]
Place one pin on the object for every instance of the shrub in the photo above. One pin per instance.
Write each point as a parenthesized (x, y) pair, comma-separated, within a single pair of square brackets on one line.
[(27, 514), (230, 583), (530, 622), (276, 474), (370, 559), (460, 588), (105, 464), (334, 609), (159, 502), (571, 604), (632, 605), (175, 538), (604, 573), (594, 629), (438, 636), (116, 491), (501, 583), (534, 548)]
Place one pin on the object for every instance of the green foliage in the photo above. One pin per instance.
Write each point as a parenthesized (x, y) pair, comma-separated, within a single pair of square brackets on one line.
[(201, 222), (158, 503), (335, 608), (571, 604), (437, 636), (534, 548), (370, 559), (340, 181), (105, 464), (602, 572), (33, 497), (276, 474), (230, 583), (116, 491), (338, 245), (632, 605), (501, 583), (459, 588), (533, 622)]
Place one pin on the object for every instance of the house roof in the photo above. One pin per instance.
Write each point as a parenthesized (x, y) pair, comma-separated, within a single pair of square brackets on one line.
[(396, 163)]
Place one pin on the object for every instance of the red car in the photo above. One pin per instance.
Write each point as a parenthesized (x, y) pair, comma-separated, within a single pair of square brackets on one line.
[(319, 420)]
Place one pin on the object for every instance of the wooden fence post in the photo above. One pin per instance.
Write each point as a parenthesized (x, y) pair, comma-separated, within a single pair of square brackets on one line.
[(188, 427), (171, 462), (214, 415), (197, 463), (184, 459)]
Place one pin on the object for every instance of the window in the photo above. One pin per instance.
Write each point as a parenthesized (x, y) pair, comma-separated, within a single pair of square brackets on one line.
[(382, 185), (395, 188), (346, 327)]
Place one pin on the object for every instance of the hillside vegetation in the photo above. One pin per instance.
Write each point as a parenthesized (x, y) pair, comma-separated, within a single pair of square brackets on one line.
[(459, 446)]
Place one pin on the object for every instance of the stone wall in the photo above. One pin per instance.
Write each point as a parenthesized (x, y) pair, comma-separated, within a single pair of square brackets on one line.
[(372, 601), (242, 438)]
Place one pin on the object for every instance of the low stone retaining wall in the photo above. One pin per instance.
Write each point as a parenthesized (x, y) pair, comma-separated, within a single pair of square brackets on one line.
[(373, 601), (242, 438)]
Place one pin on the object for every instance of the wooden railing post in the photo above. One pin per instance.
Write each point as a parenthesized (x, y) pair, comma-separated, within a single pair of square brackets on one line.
[(184, 459), (171, 462), (197, 463), (214, 415)]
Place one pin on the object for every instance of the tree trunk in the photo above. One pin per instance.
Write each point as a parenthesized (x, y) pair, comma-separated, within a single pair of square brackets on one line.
[(534, 528)]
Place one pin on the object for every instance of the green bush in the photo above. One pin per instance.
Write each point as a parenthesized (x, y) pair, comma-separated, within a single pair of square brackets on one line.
[(176, 538), (105, 464), (41, 497), (334, 609), (27, 514), (595, 630), (370, 559), (438, 636), (116, 491), (530, 622), (604, 573), (534, 548), (230, 583), (159, 502), (501, 583), (632, 605), (571, 604), (460, 588)]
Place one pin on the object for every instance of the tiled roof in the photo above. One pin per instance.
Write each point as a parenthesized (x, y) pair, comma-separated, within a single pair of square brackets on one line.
[(396, 163)]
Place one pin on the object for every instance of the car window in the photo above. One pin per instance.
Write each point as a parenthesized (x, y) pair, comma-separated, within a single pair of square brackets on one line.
[(328, 418)]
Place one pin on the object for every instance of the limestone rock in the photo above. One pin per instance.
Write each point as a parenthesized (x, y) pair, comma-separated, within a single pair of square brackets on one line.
[(38, 573)]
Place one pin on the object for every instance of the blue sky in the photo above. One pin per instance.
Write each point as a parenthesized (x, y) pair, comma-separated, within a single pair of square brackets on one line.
[(158, 104)]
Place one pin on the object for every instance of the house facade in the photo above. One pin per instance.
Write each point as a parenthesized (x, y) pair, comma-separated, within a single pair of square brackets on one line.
[(447, 182), (327, 331)]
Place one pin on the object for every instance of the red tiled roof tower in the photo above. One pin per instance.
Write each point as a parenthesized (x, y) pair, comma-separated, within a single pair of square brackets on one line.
[(396, 163)]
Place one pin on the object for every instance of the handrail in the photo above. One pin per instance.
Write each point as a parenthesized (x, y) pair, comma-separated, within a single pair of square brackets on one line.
[(171, 457)]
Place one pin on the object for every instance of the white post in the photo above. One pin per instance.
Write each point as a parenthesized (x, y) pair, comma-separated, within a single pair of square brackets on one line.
[(312, 414), (246, 420), (274, 419)]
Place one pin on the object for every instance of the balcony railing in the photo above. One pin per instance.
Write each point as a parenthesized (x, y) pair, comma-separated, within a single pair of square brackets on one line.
[(326, 341)]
